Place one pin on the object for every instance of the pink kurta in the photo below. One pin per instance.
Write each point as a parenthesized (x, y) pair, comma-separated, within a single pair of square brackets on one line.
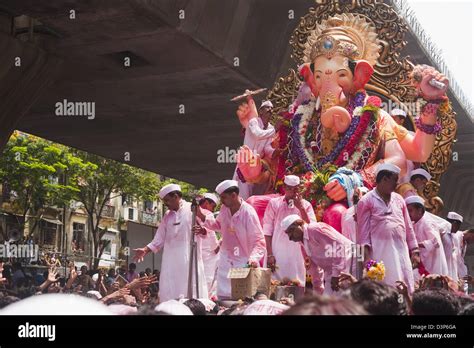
[(388, 231), (288, 256), (259, 141), (432, 255), (242, 241), (329, 250), (348, 224), (174, 236)]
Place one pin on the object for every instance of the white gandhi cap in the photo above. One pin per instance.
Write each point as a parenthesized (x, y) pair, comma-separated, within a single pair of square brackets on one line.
[(388, 167), (289, 220), (212, 197), (398, 112), (454, 216), (422, 172), (266, 103), (415, 199), (292, 180), (226, 184), (169, 188)]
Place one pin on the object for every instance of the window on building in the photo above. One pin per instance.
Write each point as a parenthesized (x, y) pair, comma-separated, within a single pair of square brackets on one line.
[(108, 248), (125, 199), (14, 227), (49, 233), (130, 213), (5, 192), (148, 206), (78, 237)]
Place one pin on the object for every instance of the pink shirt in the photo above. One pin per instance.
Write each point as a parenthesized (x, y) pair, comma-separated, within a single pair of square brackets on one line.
[(327, 248), (388, 230), (432, 255), (277, 210), (242, 234), (288, 255), (242, 242)]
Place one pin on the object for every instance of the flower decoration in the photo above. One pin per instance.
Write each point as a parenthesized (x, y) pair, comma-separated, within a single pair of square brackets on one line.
[(374, 101), (375, 270)]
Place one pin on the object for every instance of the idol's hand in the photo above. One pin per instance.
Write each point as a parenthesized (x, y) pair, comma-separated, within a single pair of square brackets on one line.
[(247, 111), (430, 92), (335, 191)]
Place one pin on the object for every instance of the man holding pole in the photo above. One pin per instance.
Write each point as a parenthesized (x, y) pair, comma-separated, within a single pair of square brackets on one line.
[(174, 235)]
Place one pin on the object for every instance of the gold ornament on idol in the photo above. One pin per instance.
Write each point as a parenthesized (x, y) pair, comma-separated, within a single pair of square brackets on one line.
[(348, 34)]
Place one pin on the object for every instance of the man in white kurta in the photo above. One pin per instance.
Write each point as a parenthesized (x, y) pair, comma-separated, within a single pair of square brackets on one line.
[(258, 137), (327, 248), (210, 244), (243, 242), (453, 247), (429, 240), (174, 237), (385, 230), (284, 256)]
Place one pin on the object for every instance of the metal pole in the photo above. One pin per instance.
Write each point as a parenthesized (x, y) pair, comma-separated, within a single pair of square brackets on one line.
[(192, 257), (190, 272), (196, 268)]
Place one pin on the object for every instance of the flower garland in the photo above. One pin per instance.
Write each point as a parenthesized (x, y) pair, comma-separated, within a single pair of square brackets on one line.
[(313, 182), (361, 131)]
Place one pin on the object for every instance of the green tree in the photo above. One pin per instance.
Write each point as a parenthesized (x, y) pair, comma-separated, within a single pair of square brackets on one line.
[(100, 179), (33, 170)]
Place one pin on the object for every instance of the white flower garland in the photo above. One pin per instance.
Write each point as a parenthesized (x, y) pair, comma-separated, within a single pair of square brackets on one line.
[(307, 113)]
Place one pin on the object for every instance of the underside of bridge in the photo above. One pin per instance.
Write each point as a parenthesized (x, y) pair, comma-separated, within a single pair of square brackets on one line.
[(177, 64)]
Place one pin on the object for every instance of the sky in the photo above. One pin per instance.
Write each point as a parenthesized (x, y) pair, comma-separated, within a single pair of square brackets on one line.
[(450, 24)]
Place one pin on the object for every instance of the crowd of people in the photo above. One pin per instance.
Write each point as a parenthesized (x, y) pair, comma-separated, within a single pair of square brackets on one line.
[(126, 292)]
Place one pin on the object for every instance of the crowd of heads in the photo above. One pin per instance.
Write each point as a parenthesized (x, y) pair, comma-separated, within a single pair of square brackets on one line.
[(123, 291)]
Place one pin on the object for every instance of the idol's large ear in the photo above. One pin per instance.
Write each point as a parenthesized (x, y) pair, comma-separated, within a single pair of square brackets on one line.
[(362, 73), (308, 75)]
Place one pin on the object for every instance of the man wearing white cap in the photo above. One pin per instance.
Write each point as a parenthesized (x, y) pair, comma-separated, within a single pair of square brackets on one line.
[(418, 180), (258, 138), (210, 244), (174, 236), (429, 241), (454, 247), (243, 242), (398, 116), (326, 247), (284, 257), (385, 230)]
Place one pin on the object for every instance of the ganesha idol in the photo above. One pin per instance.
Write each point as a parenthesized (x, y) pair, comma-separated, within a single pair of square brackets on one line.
[(335, 135)]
